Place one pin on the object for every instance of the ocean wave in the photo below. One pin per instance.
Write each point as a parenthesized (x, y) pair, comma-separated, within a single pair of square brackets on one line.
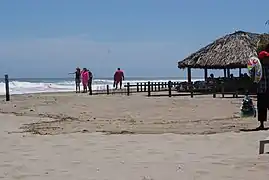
[(25, 87)]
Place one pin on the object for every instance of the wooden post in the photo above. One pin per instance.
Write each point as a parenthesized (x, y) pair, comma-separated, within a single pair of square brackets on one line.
[(141, 87), (236, 94), (145, 87), (107, 89), (148, 88), (222, 89), (214, 90), (205, 74), (170, 88), (151, 87), (162, 85), (240, 72), (159, 86), (189, 75), (191, 88), (137, 87), (155, 86), (228, 73), (7, 88), (225, 72), (128, 89)]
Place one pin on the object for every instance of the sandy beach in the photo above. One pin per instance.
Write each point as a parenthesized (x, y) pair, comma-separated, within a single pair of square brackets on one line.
[(76, 136), (136, 114)]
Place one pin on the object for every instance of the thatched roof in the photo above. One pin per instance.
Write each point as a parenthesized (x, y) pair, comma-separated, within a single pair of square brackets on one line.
[(230, 51)]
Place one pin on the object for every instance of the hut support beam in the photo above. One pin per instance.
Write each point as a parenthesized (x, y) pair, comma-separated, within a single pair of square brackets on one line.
[(225, 73), (228, 73), (189, 75), (240, 72), (205, 71)]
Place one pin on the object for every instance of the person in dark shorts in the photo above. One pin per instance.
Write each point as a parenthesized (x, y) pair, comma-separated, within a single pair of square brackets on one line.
[(90, 82), (118, 78), (77, 79), (263, 89)]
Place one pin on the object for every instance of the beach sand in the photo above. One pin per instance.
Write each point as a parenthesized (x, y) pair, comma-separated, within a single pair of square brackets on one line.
[(136, 114), (149, 138)]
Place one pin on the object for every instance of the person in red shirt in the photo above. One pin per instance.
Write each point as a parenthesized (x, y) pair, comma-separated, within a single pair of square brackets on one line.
[(264, 54), (118, 78), (263, 88)]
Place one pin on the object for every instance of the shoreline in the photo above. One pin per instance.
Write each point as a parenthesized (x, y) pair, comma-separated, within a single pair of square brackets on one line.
[(71, 87), (62, 92)]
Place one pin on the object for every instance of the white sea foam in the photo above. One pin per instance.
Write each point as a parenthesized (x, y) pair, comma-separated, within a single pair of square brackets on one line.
[(24, 87)]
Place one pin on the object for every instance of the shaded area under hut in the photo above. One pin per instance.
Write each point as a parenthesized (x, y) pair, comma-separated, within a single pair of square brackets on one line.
[(231, 51)]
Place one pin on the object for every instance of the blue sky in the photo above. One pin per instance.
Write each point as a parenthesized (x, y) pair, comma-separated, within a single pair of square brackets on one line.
[(49, 38)]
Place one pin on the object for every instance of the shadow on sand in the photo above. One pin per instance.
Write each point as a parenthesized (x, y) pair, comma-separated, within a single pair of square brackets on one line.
[(256, 129)]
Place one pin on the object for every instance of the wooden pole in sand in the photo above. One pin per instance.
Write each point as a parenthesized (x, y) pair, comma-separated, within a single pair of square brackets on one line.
[(170, 88), (191, 86), (214, 90), (7, 88), (222, 89), (128, 89), (149, 88), (107, 89)]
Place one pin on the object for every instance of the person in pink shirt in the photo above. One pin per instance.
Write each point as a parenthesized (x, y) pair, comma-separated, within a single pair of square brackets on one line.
[(118, 78), (85, 79)]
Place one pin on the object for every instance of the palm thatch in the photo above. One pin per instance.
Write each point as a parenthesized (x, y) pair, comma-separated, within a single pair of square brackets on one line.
[(231, 51)]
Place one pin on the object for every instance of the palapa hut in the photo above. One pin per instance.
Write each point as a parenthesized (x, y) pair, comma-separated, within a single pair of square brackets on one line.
[(228, 52)]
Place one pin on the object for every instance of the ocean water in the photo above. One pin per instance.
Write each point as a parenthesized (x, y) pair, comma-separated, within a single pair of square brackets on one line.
[(39, 85)]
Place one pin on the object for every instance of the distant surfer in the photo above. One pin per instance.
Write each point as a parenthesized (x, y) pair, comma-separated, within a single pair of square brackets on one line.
[(263, 89), (118, 78), (77, 79)]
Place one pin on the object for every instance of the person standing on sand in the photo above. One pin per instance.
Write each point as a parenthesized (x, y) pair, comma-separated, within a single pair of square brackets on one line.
[(263, 89), (90, 82), (77, 79), (85, 79), (118, 78)]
